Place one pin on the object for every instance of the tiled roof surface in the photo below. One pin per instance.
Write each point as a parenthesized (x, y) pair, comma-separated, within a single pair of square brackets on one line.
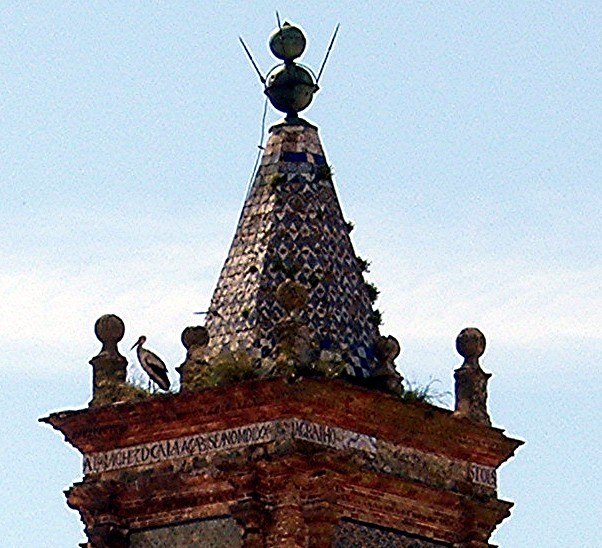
[(292, 226)]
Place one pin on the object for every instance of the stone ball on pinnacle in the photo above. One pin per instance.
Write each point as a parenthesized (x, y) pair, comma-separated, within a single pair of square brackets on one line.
[(470, 344)]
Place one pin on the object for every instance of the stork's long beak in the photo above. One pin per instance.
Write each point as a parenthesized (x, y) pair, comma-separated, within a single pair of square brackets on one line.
[(135, 344)]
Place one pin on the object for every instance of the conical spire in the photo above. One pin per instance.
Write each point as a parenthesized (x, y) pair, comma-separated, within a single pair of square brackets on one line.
[(292, 228)]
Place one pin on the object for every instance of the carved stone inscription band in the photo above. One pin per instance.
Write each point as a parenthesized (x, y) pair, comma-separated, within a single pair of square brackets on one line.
[(190, 446), (245, 436)]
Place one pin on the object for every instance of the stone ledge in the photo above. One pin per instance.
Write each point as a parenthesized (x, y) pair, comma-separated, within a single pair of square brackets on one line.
[(336, 403)]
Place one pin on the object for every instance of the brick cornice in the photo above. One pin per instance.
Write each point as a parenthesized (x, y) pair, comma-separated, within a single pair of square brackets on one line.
[(336, 403)]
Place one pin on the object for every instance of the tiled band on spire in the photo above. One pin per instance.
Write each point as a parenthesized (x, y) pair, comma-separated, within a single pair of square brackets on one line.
[(292, 227)]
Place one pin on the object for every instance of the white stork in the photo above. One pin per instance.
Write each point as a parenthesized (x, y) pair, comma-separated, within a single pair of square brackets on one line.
[(152, 364)]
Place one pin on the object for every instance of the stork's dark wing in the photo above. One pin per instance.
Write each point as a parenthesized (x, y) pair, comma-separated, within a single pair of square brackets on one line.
[(159, 376), (156, 370)]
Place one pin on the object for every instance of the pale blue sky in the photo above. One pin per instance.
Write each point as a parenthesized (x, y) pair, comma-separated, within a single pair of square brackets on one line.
[(465, 139)]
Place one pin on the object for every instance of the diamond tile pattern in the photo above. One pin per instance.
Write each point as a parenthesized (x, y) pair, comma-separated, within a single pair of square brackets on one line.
[(209, 533), (352, 533), (292, 226)]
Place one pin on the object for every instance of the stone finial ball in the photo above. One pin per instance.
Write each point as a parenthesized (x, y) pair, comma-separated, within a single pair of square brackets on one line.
[(470, 344), (195, 336), (387, 349), (291, 295), (109, 329)]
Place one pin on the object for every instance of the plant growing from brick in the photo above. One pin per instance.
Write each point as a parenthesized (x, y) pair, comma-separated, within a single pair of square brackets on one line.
[(363, 264), (276, 180), (373, 292), (425, 394), (324, 171), (376, 318)]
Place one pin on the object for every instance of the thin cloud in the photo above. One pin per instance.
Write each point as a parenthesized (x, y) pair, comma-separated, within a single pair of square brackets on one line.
[(510, 302), (55, 308)]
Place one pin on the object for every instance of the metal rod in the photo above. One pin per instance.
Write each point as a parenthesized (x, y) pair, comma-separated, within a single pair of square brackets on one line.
[(251, 59), (336, 30)]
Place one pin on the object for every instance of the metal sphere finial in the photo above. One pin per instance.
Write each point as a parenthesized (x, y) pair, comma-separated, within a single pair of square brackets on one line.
[(287, 42), (290, 87)]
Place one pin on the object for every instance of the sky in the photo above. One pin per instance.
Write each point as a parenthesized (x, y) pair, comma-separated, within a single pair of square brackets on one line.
[(465, 141)]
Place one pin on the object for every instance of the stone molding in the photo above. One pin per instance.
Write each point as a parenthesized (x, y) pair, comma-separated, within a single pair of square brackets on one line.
[(377, 454)]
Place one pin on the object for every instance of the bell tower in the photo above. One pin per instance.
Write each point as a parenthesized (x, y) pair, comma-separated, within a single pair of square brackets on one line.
[(292, 426)]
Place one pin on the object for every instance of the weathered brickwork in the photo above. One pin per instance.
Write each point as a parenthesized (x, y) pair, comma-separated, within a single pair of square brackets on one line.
[(292, 227), (209, 533), (276, 437), (287, 462)]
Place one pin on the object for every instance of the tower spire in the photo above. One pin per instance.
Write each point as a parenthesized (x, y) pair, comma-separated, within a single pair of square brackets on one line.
[(292, 229), (292, 238)]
